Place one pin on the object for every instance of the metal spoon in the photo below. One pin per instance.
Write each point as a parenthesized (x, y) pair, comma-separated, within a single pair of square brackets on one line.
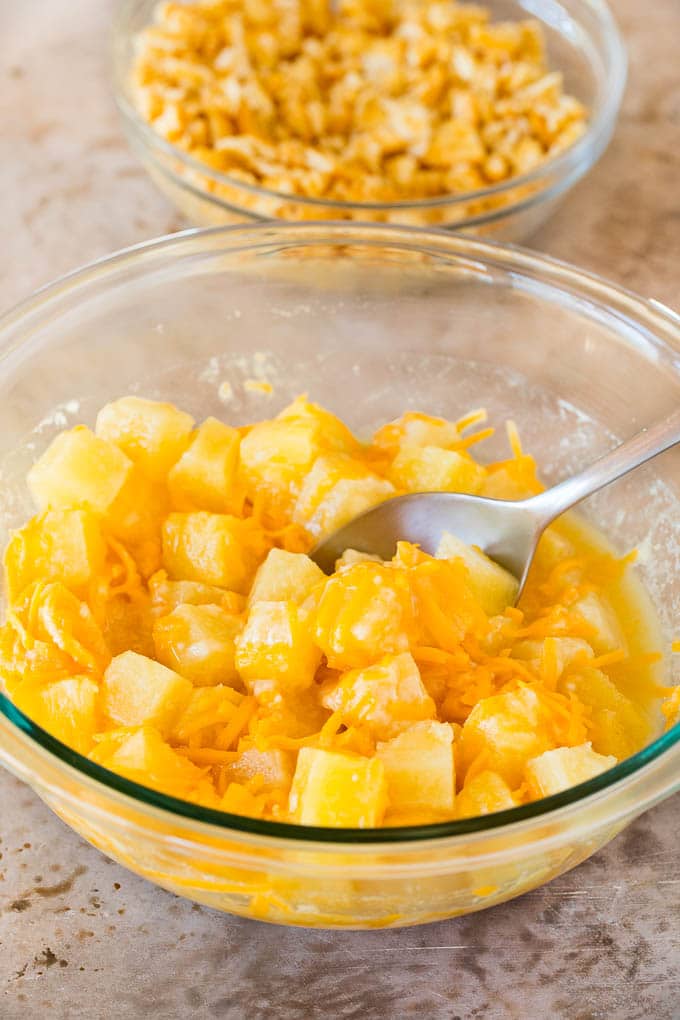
[(506, 531)]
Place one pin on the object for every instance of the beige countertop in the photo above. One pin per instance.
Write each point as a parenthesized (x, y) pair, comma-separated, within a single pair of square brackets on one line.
[(81, 937)]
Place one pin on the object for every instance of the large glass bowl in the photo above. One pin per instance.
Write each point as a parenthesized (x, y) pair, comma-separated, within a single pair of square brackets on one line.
[(370, 321), (583, 42)]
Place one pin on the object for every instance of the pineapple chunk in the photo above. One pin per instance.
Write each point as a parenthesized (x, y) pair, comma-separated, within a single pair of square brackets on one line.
[(509, 730), (285, 576), (494, 587), (167, 595), (58, 545), (146, 758), (154, 435), (619, 727), (567, 651), (136, 517), (363, 612), (208, 709), (484, 794), (416, 429), (276, 456), (446, 609), (332, 432), (338, 790), (61, 619), (388, 697), (419, 767), (604, 632), (513, 479), (78, 469), (65, 708), (336, 489), (276, 646), (563, 767), (352, 556), (215, 549), (205, 476), (137, 691), (553, 548), (432, 469), (199, 643), (273, 768)]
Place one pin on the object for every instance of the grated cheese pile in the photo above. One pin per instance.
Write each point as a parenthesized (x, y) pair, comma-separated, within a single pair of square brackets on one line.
[(165, 620)]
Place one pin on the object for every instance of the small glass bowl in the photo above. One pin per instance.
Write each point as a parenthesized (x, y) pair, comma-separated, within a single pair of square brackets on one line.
[(370, 320), (583, 42)]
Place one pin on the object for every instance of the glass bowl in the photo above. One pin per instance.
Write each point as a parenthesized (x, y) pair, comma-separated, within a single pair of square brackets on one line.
[(370, 320), (583, 42)]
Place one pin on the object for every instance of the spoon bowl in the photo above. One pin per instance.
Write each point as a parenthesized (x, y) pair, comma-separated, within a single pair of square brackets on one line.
[(507, 531)]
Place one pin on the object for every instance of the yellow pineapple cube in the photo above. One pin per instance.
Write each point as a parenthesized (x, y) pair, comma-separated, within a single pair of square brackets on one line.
[(58, 545), (277, 648), (166, 595), (494, 587), (275, 457), (604, 630), (432, 469), (338, 790), (273, 768), (509, 730), (483, 794), (199, 643), (364, 611), (215, 549), (59, 618), (553, 548), (352, 556), (563, 767), (285, 576), (208, 710), (336, 489), (137, 691), (153, 434), (65, 708), (416, 429), (332, 433), (136, 516), (567, 651), (419, 767), (79, 469), (619, 726), (205, 476), (387, 697), (146, 758)]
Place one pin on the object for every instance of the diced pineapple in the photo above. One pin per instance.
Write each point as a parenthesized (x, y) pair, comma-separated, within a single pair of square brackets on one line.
[(215, 549), (58, 545), (205, 476), (604, 630), (432, 469), (338, 790), (336, 489), (446, 608), (285, 576), (166, 595), (352, 556), (484, 794), (333, 433), (563, 767), (363, 612), (274, 768), (276, 455), (567, 651), (199, 643), (277, 646), (60, 618), (388, 697), (419, 767), (137, 691), (65, 708), (509, 730), (416, 429), (553, 548), (208, 709), (619, 727), (493, 586), (152, 434), (136, 516), (513, 479), (127, 624), (79, 469), (146, 758)]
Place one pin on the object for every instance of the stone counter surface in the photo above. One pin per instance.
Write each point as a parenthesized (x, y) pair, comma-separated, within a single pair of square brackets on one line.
[(82, 938)]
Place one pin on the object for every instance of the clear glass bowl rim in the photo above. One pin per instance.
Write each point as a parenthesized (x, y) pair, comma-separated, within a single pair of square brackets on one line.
[(652, 316), (567, 167)]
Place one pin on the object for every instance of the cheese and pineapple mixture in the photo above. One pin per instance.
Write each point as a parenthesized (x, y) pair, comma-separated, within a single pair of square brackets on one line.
[(165, 620)]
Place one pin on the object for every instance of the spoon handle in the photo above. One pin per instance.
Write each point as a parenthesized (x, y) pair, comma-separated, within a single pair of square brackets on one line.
[(647, 443)]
